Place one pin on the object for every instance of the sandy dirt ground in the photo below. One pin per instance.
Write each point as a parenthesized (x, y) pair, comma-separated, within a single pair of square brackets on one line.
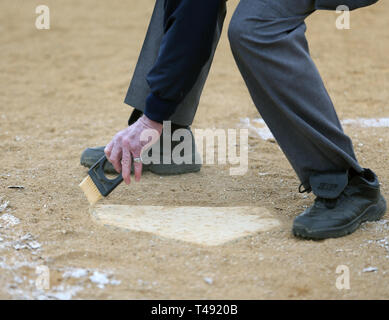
[(62, 90)]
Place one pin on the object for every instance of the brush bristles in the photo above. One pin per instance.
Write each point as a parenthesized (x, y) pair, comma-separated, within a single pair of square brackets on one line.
[(91, 192)]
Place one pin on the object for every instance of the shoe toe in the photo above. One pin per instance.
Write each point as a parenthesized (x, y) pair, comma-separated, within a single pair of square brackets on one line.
[(90, 156)]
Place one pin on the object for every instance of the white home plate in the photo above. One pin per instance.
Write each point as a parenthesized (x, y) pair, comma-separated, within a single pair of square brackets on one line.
[(202, 225)]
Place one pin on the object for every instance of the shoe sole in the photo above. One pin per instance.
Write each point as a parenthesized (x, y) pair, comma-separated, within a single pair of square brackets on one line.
[(373, 213), (174, 169), (158, 169)]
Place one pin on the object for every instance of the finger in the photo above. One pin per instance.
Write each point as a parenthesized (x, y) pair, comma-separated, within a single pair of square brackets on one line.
[(126, 165), (148, 137), (116, 156), (137, 168), (108, 149)]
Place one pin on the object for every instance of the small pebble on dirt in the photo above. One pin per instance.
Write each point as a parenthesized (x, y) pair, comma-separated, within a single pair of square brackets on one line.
[(19, 246), (10, 220), (370, 269), (208, 280), (75, 273), (99, 278), (34, 244), (3, 205), (27, 236)]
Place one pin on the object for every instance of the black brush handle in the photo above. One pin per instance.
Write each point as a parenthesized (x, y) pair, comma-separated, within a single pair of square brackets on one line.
[(105, 185)]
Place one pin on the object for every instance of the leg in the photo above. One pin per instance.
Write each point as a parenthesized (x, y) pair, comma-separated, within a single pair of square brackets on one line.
[(269, 45), (139, 89), (268, 41)]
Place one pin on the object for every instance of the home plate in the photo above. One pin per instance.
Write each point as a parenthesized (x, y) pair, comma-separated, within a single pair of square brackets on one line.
[(201, 225)]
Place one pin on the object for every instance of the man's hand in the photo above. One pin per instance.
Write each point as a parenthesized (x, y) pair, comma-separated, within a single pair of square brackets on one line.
[(128, 145)]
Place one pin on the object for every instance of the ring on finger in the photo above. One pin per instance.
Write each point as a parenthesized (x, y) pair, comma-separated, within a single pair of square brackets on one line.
[(138, 159)]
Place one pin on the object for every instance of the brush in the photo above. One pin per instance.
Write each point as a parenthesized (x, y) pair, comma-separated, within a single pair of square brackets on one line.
[(96, 185)]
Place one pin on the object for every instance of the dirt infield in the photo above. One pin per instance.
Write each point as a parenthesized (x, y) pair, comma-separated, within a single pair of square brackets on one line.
[(62, 90)]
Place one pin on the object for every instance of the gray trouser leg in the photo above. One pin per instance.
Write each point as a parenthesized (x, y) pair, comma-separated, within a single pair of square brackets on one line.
[(269, 45), (139, 89)]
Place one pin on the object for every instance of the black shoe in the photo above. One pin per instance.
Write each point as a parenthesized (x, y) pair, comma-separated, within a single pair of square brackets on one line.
[(163, 168), (91, 155), (343, 202)]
